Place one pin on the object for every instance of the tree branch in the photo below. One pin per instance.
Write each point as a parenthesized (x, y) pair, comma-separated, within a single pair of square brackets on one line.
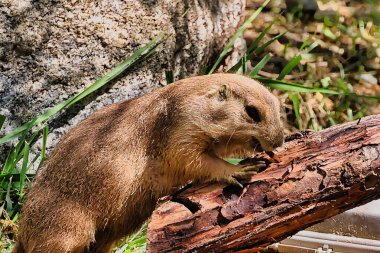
[(311, 178)]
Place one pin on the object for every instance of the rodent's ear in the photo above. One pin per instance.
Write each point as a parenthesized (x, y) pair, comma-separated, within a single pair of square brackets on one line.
[(221, 93)]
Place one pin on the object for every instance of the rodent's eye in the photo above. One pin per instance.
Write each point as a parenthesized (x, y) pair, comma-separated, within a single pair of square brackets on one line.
[(253, 113)]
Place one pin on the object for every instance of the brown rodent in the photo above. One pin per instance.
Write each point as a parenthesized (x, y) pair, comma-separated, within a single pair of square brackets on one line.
[(103, 179)]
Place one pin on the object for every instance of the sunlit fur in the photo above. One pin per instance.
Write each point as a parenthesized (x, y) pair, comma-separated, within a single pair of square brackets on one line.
[(103, 179)]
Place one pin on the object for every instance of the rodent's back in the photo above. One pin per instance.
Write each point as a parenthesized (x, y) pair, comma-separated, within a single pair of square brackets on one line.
[(97, 168)]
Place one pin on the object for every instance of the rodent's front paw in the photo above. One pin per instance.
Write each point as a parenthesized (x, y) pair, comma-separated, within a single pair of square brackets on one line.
[(255, 164), (241, 176), (245, 174)]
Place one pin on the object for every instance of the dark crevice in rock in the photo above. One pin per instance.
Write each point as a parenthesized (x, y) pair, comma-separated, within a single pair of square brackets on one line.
[(231, 191), (269, 203), (222, 221), (192, 206), (371, 181)]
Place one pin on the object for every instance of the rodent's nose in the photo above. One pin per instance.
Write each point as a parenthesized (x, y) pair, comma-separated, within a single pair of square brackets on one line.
[(278, 140), (273, 140)]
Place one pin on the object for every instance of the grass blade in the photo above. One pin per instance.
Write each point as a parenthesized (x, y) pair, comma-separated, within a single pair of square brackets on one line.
[(12, 156), (169, 76), (289, 67), (296, 106), (260, 37), (305, 43), (32, 163), (8, 199), (45, 131), (20, 155), (131, 241), (237, 66), (312, 46), (95, 86), (16, 177), (260, 65), (266, 44), (288, 86), (244, 63), (296, 60), (240, 31), (24, 168), (2, 120)]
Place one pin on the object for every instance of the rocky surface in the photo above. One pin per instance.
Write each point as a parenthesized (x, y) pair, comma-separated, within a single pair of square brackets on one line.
[(51, 50)]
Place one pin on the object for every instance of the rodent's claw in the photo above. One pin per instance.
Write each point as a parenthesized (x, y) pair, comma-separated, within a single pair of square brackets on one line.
[(254, 167), (233, 181), (298, 135), (245, 174)]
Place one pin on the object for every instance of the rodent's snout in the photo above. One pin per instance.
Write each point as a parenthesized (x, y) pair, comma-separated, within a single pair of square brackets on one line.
[(279, 140), (273, 142)]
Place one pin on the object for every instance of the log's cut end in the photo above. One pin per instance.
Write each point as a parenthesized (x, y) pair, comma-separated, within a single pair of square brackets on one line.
[(314, 176)]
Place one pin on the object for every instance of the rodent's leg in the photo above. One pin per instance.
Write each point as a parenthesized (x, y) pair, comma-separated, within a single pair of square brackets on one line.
[(61, 227), (102, 246), (62, 243)]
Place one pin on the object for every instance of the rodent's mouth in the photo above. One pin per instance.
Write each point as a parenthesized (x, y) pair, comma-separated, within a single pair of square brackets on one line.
[(256, 145)]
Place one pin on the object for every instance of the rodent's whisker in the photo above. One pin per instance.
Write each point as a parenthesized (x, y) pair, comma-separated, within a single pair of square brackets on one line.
[(228, 141)]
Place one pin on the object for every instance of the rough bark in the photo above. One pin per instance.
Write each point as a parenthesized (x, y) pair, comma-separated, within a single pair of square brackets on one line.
[(311, 178), (51, 50)]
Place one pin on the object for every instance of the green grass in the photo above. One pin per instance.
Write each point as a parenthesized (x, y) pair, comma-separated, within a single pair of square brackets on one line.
[(239, 32)]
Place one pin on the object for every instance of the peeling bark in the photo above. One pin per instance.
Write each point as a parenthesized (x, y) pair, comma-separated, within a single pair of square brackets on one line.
[(312, 177)]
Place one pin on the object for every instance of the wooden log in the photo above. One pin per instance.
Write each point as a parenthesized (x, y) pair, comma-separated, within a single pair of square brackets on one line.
[(311, 178)]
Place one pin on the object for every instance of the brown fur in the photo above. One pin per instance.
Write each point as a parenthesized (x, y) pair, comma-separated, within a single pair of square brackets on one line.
[(103, 179)]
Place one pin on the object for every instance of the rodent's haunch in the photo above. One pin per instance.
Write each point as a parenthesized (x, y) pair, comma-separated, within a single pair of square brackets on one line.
[(103, 179)]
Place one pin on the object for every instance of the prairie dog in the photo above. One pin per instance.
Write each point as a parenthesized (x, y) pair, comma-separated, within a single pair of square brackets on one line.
[(103, 179)]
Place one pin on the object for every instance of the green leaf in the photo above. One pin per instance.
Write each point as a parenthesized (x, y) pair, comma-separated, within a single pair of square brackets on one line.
[(240, 31), (234, 161), (143, 52), (260, 65)]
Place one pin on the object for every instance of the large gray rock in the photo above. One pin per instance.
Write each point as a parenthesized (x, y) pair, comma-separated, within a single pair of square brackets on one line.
[(51, 50)]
